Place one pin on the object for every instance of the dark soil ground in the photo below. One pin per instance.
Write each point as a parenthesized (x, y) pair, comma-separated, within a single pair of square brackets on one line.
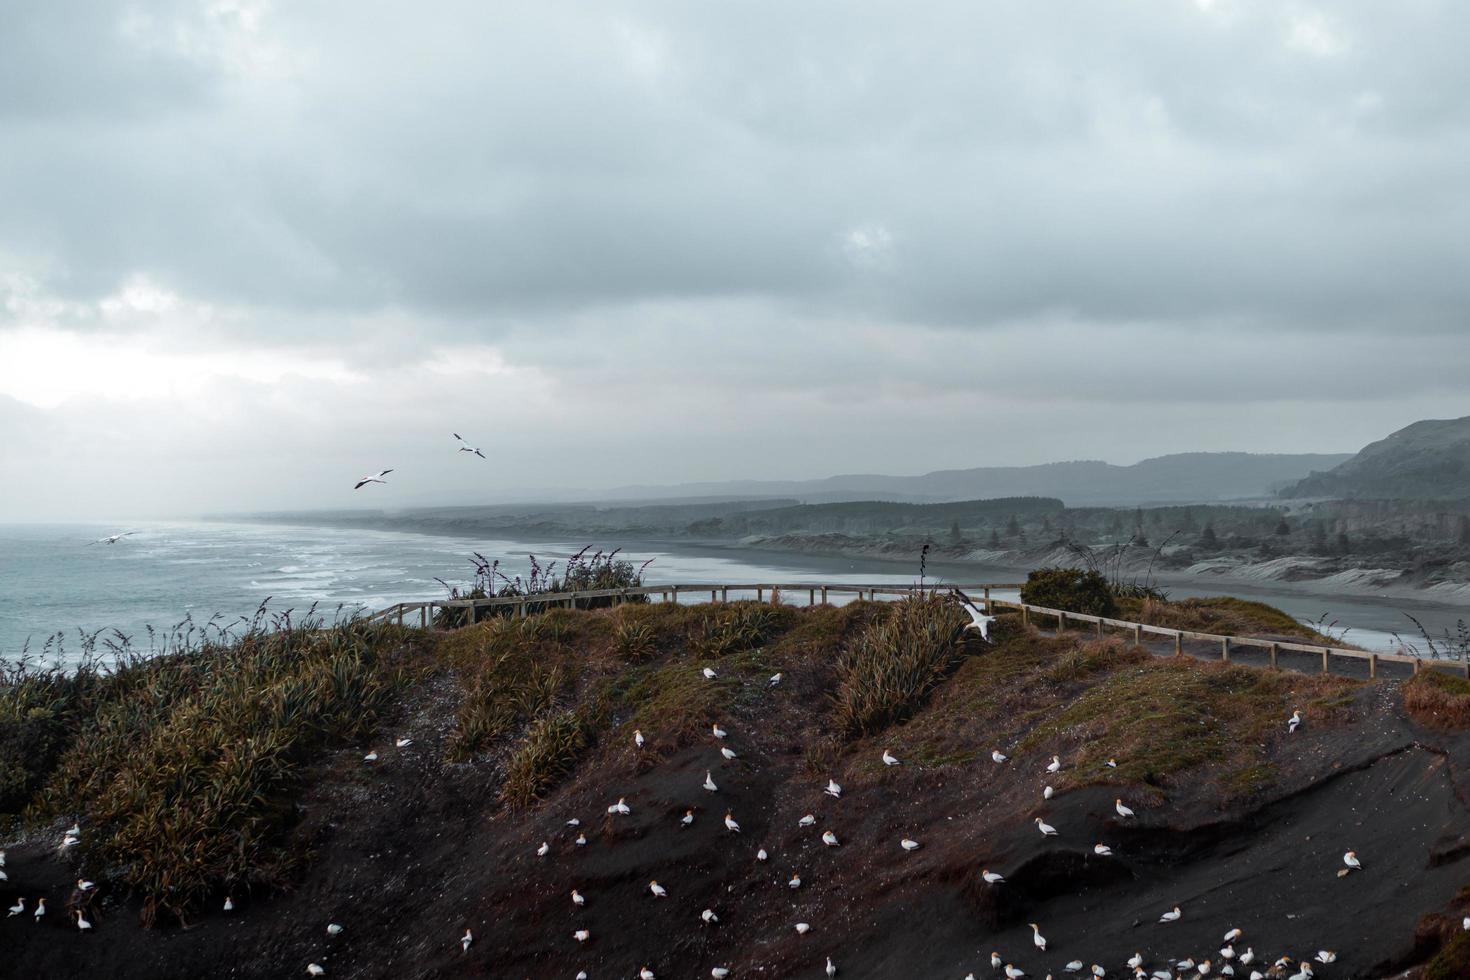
[(408, 853)]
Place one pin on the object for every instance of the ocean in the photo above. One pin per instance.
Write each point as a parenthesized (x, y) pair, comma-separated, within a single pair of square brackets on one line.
[(55, 584)]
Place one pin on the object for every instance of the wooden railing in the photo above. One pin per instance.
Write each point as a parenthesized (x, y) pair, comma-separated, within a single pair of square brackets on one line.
[(404, 613)]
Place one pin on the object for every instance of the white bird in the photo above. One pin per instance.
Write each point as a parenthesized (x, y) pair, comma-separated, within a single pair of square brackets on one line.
[(734, 827), (581, 840), (1248, 956), (1172, 915), (1135, 961), (1123, 811), (829, 838), (467, 448), (465, 940), (1047, 830), (991, 878), (316, 970), (688, 818), (831, 970), (995, 961), (806, 821), (1098, 971), (112, 538), (833, 790), (719, 972), (620, 807), (40, 909), (543, 850), (1014, 972), (371, 756), (82, 923), (1305, 973), (1294, 722), (1325, 956), (638, 738), (1037, 939), (727, 752), (775, 679), (708, 916), (17, 908), (1232, 936), (997, 756), (761, 855), (333, 929), (645, 974), (582, 935), (85, 886), (574, 822), (908, 844), (1055, 765), (578, 899), (657, 889), (1073, 967), (375, 478), (795, 881), (581, 975), (229, 904), (889, 759), (1351, 860), (404, 742), (802, 928), (717, 731), (4, 876), (1047, 793), (1466, 923), (709, 781), (2, 857), (1112, 763), (1227, 952), (1203, 969), (68, 841), (979, 622), (709, 674), (1102, 850)]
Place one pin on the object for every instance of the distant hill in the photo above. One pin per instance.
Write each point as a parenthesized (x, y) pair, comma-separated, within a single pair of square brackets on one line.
[(1180, 478), (1426, 460)]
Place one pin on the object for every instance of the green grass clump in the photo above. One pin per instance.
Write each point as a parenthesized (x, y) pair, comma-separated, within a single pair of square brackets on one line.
[(1222, 615), (1452, 962), (738, 626), (890, 666), (1438, 700), (182, 775), (552, 746)]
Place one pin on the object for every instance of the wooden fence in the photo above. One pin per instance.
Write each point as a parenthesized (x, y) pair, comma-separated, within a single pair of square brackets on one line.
[(404, 613)]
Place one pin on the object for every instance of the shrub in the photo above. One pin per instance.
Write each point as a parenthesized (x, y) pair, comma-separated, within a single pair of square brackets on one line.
[(890, 666), (1069, 589), (742, 626), (551, 747)]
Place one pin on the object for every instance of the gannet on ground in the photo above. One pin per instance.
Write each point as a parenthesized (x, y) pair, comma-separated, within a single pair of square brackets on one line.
[(465, 940), (829, 838), (1466, 923), (1112, 763), (638, 738), (68, 841), (1073, 967), (688, 818), (375, 478), (717, 731), (581, 840), (316, 970), (1171, 916), (727, 752), (909, 844), (775, 679), (334, 929), (734, 827), (229, 904), (709, 781), (1014, 972), (17, 908), (1294, 722), (645, 974), (574, 822), (1037, 939), (578, 899), (795, 881), (1227, 952), (1047, 793), (85, 886), (1305, 973), (991, 878), (620, 807), (806, 821), (582, 935), (708, 916), (1232, 936), (1135, 961), (833, 790), (1249, 956), (543, 850), (997, 756), (657, 889), (1098, 971), (371, 756), (2, 857), (82, 923), (1055, 765), (802, 928), (761, 855), (831, 969), (1123, 811), (1351, 860), (1102, 850), (1325, 956), (709, 674), (1047, 830), (719, 972), (1203, 969), (403, 742), (889, 759), (40, 909)]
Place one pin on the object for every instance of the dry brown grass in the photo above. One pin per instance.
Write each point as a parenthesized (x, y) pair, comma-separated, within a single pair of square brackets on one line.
[(1222, 615), (1437, 700)]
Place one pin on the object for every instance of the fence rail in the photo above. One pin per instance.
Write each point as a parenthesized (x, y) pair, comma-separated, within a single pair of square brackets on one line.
[(404, 613)]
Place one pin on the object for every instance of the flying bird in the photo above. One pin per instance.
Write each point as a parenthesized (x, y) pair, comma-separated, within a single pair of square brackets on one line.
[(375, 478), (889, 759), (979, 622), (466, 447), (112, 538)]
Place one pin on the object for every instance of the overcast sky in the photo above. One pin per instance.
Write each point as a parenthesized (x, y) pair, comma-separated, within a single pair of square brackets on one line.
[(250, 251)]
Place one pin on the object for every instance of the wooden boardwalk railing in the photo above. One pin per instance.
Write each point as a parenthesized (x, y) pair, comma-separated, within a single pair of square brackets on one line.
[(404, 614)]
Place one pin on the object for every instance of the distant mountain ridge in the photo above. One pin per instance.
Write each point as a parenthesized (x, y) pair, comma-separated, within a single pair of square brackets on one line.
[(1178, 478), (1429, 460)]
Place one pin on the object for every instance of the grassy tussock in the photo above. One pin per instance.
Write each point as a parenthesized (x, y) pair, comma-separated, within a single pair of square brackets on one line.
[(890, 666), (1223, 615), (738, 626), (552, 746), (180, 777), (1437, 700), (1092, 658)]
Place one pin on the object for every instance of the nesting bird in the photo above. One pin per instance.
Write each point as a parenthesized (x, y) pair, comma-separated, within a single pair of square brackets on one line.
[(403, 743), (991, 878), (1325, 956), (717, 731), (620, 807), (82, 924), (578, 899), (1055, 765), (997, 756), (1047, 830), (734, 828), (833, 790), (1037, 939), (1351, 860), (657, 889), (543, 850), (1123, 811), (645, 974), (831, 970), (806, 821), (909, 844), (719, 972), (333, 929), (465, 940), (802, 928), (40, 909), (889, 759), (316, 970), (727, 752), (17, 908), (1047, 793), (688, 818), (1172, 915), (638, 738), (761, 855), (371, 756), (795, 881), (708, 916), (709, 674), (229, 904), (1014, 972), (581, 840), (1102, 850), (582, 935), (775, 679), (709, 781), (1294, 722), (829, 838)]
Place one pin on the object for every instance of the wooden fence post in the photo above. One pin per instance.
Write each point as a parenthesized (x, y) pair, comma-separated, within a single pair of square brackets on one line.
[(1099, 627), (724, 595), (1225, 649), (1061, 623), (1025, 615), (1274, 648), (712, 595), (760, 595), (1179, 643), (1326, 652), (824, 595), (988, 610), (1372, 666), (423, 617), (1137, 636)]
